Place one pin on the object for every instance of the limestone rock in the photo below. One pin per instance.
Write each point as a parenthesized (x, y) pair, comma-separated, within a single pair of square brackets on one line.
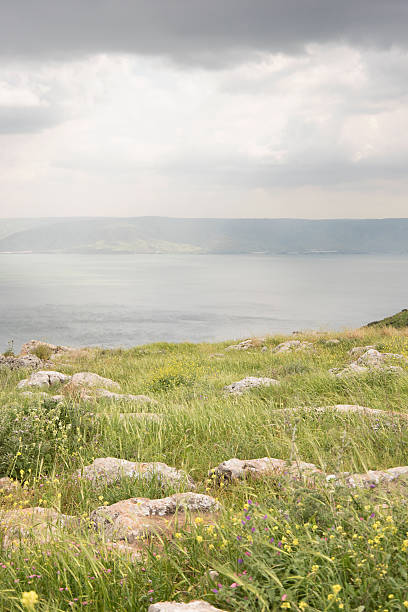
[(89, 379), (193, 606), (110, 469), (357, 351), (43, 396), (331, 341), (135, 518), (371, 360), (32, 345), (26, 361), (250, 382), (345, 409), (369, 479), (246, 344), (7, 486), (125, 397), (292, 345), (37, 522), (234, 469), (43, 378)]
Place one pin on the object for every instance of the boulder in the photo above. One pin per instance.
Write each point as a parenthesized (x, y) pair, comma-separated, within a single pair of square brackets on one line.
[(369, 479), (110, 469), (246, 344), (135, 518), (235, 469), (16, 363), (250, 382), (125, 397), (371, 360), (41, 395), (292, 345), (89, 379), (345, 409), (32, 345), (43, 378), (193, 606), (357, 351), (39, 523), (8, 486), (331, 341)]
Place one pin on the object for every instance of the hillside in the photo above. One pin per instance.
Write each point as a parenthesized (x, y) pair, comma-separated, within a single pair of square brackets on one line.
[(238, 475), (399, 320), (172, 235)]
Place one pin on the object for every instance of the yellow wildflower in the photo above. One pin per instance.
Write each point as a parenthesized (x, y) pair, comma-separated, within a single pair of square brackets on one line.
[(29, 599)]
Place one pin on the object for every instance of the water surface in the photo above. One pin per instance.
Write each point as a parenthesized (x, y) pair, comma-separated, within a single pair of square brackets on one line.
[(124, 300)]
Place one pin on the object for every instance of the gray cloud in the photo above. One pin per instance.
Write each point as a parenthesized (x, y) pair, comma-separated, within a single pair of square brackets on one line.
[(212, 33), (27, 119)]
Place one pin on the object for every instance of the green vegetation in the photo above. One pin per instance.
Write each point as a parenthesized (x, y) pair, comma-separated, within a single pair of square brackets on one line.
[(398, 320), (42, 351), (277, 543)]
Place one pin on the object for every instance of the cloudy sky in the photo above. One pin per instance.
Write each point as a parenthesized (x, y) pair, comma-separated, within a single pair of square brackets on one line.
[(216, 108)]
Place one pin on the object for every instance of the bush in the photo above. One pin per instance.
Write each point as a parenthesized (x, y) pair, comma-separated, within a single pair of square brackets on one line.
[(42, 351), (33, 436), (173, 375)]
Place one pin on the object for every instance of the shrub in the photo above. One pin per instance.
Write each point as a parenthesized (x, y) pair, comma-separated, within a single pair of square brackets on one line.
[(40, 435), (173, 375), (42, 351)]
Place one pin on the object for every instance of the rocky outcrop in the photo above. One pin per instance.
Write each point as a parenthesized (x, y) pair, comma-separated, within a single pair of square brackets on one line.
[(89, 380), (292, 345), (32, 345), (250, 382), (238, 469), (16, 363), (138, 517), (193, 606), (110, 469), (371, 360), (357, 351), (43, 378), (345, 409), (247, 344), (235, 469)]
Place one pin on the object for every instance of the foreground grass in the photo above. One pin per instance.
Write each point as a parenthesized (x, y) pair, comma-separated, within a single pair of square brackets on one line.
[(277, 544)]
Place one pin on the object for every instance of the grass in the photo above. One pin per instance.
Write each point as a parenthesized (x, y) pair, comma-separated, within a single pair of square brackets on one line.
[(399, 320), (277, 544)]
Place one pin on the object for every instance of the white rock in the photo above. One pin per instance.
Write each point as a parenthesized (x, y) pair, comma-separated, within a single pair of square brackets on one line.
[(371, 360), (43, 378), (132, 519), (110, 469), (292, 345), (234, 469), (25, 361), (246, 344), (357, 351), (250, 382), (32, 345), (90, 379)]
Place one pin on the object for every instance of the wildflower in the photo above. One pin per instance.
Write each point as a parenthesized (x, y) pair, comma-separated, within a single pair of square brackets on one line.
[(285, 604), (233, 585), (330, 596), (405, 604), (336, 588), (315, 568), (178, 535), (302, 605), (199, 539), (29, 599)]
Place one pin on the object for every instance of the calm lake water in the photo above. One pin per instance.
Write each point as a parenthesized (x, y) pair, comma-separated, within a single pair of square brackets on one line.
[(124, 300)]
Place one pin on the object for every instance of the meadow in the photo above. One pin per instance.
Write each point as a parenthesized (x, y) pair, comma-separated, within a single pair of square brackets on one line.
[(277, 542)]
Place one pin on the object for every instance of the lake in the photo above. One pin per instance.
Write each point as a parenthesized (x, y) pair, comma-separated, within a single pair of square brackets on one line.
[(125, 300)]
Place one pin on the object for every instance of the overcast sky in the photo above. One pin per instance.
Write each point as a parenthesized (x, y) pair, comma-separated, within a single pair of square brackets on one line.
[(215, 108)]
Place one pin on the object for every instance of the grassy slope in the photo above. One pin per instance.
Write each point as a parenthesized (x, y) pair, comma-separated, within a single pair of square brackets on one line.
[(202, 427), (398, 320)]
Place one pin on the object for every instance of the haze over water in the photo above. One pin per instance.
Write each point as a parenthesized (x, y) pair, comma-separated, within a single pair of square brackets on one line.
[(126, 300)]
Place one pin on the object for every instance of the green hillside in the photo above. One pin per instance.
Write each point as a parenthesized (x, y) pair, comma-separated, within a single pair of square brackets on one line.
[(398, 320)]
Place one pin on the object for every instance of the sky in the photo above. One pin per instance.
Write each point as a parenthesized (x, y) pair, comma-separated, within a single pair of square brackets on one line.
[(186, 108)]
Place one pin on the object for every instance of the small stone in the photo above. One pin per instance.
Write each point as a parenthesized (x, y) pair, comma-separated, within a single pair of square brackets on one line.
[(39, 523), (43, 378), (246, 344), (107, 470), (331, 341), (250, 382)]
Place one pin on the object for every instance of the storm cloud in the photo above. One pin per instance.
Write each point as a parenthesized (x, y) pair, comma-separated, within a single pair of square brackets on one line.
[(191, 108)]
